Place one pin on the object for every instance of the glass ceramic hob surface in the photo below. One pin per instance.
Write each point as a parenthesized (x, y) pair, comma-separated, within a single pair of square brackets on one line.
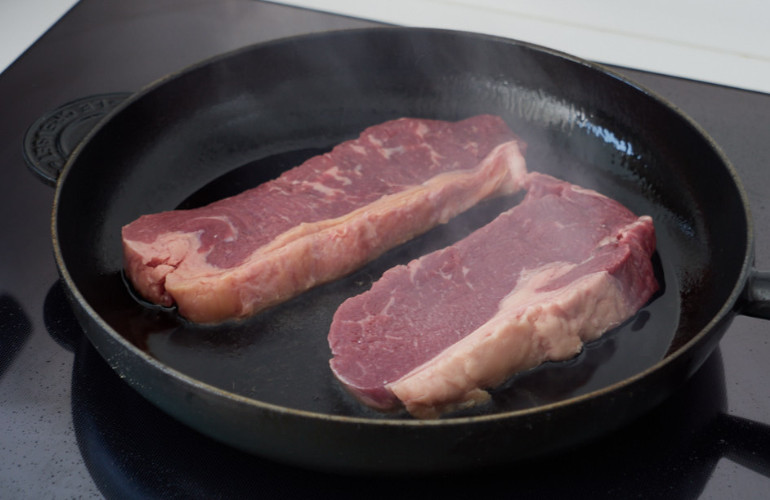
[(71, 427)]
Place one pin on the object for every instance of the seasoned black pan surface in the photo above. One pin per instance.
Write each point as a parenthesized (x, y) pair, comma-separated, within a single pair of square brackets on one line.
[(264, 384)]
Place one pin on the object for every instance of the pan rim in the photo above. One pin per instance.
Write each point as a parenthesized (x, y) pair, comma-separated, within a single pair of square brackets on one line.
[(728, 308)]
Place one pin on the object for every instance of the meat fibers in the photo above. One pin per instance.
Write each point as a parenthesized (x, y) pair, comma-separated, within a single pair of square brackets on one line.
[(556, 271), (320, 220)]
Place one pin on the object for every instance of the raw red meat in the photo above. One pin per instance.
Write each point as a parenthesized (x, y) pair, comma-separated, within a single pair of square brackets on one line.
[(320, 220), (557, 270)]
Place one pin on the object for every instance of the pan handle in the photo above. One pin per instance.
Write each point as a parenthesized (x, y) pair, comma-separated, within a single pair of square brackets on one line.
[(756, 296), (51, 139)]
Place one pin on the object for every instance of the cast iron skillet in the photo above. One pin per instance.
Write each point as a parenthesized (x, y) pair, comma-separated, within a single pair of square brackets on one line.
[(264, 385)]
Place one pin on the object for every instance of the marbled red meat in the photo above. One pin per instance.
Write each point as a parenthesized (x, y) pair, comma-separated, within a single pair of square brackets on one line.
[(322, 219), (555, 271)]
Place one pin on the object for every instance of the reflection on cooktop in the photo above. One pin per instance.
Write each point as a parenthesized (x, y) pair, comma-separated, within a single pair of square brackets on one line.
[(15, 327)]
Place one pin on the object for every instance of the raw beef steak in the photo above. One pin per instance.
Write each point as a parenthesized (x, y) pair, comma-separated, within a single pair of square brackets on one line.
[(322, 219), (555, 271)]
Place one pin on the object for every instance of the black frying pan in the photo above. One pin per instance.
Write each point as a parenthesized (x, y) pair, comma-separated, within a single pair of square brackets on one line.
[(264, 385)]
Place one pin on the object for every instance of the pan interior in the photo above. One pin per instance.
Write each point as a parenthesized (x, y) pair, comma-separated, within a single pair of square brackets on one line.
[(227, 125)]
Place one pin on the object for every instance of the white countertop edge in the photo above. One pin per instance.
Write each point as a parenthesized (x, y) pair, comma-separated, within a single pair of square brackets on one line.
[(22, 22)]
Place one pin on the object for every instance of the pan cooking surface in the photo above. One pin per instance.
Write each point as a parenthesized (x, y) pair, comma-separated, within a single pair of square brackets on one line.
[(226, 124), (281, 355)]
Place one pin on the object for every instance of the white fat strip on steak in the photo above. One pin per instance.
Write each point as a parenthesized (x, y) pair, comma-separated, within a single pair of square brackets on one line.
[(530, 328)]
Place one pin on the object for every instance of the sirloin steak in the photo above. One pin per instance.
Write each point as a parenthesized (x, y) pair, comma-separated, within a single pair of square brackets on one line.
[(555, 271), (322, 219)]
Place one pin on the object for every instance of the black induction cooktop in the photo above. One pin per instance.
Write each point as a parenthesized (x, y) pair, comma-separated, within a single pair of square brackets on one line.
[(71, 428)]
